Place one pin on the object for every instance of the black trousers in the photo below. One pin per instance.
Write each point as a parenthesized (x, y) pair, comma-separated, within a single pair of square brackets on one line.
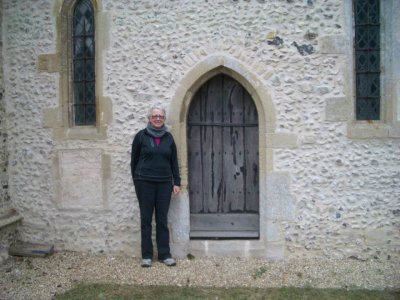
[(154, 197)]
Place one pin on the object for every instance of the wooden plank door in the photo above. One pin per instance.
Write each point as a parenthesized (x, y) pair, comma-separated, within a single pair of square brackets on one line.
[(223, 161)]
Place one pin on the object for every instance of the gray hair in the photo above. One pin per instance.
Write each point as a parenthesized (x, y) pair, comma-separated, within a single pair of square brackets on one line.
[(150, 112)]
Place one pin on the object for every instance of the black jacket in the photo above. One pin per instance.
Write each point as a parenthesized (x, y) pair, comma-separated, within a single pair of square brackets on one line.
[(154, 163)]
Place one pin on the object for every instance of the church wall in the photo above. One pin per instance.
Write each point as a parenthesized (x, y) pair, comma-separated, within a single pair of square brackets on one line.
[(325, 192)]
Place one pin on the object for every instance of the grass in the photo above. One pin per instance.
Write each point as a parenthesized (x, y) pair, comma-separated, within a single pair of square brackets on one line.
[(259, 272), (114, 292)]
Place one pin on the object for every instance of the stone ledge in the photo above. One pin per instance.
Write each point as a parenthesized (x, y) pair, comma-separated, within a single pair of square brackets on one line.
[(367, 130), (52, 118), (373, 129), (8, 217)]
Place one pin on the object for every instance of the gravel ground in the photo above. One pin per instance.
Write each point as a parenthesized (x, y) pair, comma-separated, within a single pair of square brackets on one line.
[(42, 278)]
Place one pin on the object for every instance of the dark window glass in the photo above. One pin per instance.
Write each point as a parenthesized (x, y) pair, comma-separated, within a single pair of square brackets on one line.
[(84, 97), (367, 59)]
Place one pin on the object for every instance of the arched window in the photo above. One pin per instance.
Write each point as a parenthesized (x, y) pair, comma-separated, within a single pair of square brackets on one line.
[(83, 64), (376, 108), (78, 61)]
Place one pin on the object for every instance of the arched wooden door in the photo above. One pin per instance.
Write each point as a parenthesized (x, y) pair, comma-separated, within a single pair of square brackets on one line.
[(222, 139)]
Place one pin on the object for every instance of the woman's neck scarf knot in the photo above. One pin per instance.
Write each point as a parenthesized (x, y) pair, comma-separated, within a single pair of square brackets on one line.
[(156, 132)]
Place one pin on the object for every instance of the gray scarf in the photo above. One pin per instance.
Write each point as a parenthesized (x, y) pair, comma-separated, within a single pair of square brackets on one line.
[(156, 132)]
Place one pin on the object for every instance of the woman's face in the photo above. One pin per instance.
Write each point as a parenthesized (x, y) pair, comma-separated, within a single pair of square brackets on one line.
[(157, 118)]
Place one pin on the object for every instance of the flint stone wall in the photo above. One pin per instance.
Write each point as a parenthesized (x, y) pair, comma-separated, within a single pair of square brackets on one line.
[(323, 193)]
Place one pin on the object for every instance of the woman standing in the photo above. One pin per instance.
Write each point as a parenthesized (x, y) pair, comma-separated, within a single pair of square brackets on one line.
[(155, 173)]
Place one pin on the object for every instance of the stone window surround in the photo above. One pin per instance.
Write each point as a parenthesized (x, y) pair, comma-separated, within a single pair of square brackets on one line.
[(59, 118), (342, 109)]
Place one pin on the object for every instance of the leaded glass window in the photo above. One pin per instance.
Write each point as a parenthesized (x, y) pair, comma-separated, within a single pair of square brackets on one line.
[(83, 52), (367, 59)]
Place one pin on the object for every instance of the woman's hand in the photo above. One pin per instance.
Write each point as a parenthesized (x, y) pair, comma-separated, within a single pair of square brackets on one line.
[(176, 189)]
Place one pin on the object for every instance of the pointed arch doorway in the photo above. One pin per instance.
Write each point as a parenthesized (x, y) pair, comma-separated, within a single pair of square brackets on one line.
[(223, 161)]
